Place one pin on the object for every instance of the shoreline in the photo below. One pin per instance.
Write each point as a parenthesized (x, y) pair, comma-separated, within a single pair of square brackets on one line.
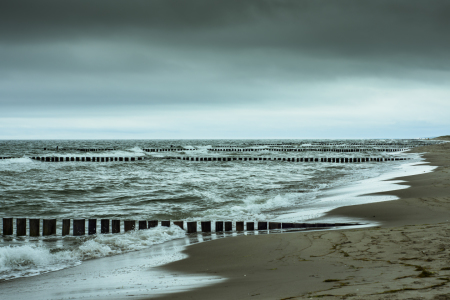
[(405, 257), (264, 266)]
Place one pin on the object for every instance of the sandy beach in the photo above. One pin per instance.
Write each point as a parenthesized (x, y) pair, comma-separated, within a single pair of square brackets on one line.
[(407, 257)]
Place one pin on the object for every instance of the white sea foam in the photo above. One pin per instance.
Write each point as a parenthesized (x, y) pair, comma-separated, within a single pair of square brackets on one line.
[(104, 245), (31, 260), (253, 207), (18, 160)]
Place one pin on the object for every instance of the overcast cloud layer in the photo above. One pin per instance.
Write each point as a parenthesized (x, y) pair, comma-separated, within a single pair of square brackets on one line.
[(224, 69)]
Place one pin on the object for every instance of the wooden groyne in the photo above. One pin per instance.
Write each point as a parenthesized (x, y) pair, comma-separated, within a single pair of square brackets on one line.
[(309, 149), (167, 149), (47, 227), (296, 159), (83, 158), (397, 145), (212, 158), (80, 149)]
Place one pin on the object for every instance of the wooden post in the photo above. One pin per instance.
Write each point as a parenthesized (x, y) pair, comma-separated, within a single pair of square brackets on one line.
[(287, 225), (191, 227), (206, 226), (49, 227), (79, 227), (274, 225), (7, 226), (179, 223), (239, 226), (250, 226), (165, 223), (228, 226), (34, 227), (262, 225), (152, 224), (219, 226), (92, 226), (104, 225), (65, 227), (21, 227), (142, 225), (129, 225), (300, 225), (115, 226)]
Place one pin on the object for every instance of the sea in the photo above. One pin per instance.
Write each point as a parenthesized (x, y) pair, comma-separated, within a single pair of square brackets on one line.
[(164, 187)]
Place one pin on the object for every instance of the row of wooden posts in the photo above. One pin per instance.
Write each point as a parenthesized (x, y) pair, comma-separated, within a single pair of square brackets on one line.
[(298, 159), (307, 149), (293, 159), (233, 149), (168, 149), (114, 226), (82, 149), (93, 159), (409, 144)]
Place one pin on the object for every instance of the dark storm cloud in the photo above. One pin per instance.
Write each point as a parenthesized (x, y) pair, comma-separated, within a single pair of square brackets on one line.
[(222, 52), (348, 27)]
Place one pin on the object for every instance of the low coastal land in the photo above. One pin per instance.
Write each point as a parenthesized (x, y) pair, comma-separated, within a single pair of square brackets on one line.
[(407, 257)]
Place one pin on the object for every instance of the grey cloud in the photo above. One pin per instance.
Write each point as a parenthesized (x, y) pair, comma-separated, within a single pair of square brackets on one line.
[(347, 27), (170, 52)]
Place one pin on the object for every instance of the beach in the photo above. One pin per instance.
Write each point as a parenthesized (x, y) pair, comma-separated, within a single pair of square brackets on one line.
[(399, 251), (407, 257)]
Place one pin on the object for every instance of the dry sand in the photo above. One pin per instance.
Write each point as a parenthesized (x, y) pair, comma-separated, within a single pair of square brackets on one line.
[(408, 257)]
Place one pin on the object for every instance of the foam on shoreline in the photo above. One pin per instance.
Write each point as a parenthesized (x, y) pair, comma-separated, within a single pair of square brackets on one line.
[(34, 259), (356, 193)]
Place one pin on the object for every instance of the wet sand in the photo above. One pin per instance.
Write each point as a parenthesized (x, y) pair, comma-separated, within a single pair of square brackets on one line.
[(407, 257)]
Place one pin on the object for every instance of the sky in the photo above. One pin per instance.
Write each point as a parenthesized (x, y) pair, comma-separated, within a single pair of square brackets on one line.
[(212, 69)]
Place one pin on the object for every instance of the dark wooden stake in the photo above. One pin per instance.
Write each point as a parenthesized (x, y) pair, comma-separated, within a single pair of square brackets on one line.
[(65, 227), (191, 227), (152, 224), (274, 225), (239, 226), (104, 226), (34, 227), (206, 226), (49, 227), (115, 226), (129, 225), (219, 226), (228, 226), (287, 225), (262, 225), (179, 223), (92, 226), (79, 227), (142, 225), (21, 227), (250, 226), (7, 226)]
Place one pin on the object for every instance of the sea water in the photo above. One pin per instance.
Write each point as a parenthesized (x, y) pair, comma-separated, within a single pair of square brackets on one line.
[(167, 189)]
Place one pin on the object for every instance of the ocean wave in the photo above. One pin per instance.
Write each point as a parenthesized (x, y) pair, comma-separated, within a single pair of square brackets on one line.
[(254, 207), (17, 160), (107, 244), (31, 260)]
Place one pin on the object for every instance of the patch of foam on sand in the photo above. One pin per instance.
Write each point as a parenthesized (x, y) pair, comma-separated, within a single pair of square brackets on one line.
[(356, 193)]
